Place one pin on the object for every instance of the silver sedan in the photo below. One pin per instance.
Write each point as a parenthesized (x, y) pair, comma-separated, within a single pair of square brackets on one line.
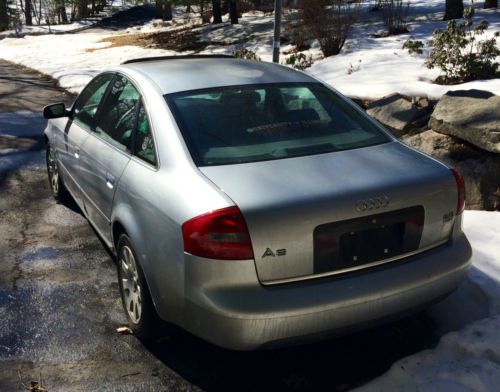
[(253, 205)]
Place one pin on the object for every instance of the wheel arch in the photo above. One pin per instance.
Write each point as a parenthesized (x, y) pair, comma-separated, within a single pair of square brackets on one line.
[(117, 229), (123, 222)]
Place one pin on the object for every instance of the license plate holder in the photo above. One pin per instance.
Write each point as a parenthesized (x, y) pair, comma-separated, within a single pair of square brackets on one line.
[(355, 242)]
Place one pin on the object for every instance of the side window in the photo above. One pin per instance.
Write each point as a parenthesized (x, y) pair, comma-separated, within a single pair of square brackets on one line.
[(117, 118), (88, 101), (143, 144)]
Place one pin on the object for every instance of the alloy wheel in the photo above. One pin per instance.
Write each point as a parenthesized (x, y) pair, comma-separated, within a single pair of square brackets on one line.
[(131, 288), (53, 171)]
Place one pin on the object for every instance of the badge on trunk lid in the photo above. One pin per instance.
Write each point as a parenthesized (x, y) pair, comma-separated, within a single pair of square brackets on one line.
[(269, 252)]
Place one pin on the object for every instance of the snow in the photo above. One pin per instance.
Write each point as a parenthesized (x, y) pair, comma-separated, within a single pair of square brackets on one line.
[(467, 359), (69, 62), (385, 68), (367, 68), (112, 8)]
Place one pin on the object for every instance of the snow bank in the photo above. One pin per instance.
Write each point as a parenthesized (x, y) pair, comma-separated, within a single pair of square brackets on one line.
[(65, 57), (382, 67), (367, 67), (468, 359), (483, 230), (463, 361), (112, 8)]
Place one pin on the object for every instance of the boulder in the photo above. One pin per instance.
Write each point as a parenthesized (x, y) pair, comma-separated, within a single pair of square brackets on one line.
[(471, 115), (398, 114), (481, 169)]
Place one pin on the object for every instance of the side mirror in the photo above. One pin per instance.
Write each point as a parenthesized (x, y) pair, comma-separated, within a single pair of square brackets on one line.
[(55, 110)]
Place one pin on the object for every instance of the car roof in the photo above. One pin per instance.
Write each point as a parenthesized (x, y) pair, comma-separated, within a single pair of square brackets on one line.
[(184, 74)]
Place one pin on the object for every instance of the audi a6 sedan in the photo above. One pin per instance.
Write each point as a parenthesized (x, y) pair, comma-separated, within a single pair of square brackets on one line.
[(253, 205)]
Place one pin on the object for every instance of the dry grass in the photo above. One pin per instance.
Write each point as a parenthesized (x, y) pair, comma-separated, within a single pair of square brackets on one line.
[(180, 40)]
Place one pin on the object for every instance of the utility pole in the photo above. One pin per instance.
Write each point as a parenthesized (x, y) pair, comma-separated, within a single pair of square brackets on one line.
[(277, 31)]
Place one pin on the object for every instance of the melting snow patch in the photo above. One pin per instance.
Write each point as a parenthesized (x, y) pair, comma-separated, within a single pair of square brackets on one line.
[(468, 359)]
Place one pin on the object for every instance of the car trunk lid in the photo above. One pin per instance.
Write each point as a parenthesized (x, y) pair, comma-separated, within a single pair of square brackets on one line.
[(308, 216)]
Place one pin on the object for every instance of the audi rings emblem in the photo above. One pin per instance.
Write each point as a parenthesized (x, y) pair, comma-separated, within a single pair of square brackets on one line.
[(372, 204)]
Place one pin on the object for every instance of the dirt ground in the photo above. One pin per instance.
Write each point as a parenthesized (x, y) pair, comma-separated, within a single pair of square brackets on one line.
[(180, 40)]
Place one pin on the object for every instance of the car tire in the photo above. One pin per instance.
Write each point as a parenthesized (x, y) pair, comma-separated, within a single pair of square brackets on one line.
[(136, 299), (57, 187)]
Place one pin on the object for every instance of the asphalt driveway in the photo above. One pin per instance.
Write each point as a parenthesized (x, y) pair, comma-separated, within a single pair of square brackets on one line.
[(59, 299), (60, 306)]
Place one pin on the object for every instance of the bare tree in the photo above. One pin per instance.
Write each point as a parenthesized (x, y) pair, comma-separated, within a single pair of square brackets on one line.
[(216, 11), (4, 17), (60, 10), (164, 9), (82, 10), (454, 9), (329, 21), (205, 13), (233, 12), (27, 13)]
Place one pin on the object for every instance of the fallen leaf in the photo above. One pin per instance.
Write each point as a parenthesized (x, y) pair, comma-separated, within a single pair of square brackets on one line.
[(36, 387), (124, 331), (29, 242)]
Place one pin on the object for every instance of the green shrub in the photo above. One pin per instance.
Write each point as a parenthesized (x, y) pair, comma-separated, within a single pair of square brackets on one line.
[(414, 47), (460, 55), (246, 54), (299, 61)]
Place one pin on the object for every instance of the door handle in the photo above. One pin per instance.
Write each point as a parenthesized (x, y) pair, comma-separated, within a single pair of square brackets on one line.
[(110, 181), (76, 152)]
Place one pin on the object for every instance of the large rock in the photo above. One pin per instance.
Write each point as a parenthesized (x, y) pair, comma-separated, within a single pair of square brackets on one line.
[(481, 169), (398, 114), (471, 115)]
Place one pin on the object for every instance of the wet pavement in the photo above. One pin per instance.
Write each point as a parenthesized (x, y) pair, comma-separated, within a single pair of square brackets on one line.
[(60, 305)]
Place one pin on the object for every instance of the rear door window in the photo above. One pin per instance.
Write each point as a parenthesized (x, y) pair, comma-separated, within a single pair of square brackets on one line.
[(118, 116), (142, 142)]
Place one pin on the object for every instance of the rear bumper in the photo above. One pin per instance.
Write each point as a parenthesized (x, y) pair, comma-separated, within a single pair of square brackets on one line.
[(226, 305)]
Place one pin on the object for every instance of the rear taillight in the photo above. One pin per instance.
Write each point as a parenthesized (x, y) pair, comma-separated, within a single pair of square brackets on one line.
[(460, 190), (220, 234)]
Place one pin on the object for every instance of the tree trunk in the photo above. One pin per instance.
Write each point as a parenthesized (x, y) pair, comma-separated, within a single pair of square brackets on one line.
[(27, 13), (159, 8), (454, 9), (164, 9), (82, 10), (216, 11), (167, 11), (4, 18), (233, 12), (490, 3), (62, 12), (100, 5)]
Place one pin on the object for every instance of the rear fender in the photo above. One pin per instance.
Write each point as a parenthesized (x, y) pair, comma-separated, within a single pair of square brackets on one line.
[(157, 281)]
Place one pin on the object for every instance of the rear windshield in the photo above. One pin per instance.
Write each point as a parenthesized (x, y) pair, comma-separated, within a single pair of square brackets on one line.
[(239, 124)]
